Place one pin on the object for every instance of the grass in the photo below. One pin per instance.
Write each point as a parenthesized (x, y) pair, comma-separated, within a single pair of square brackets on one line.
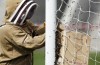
[(93, 55), (39, 57)]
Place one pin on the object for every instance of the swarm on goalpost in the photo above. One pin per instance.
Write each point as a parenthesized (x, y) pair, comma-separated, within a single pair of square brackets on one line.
[(73, 48)]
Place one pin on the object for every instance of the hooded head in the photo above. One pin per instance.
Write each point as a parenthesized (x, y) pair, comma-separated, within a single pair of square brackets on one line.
[(17, 11)]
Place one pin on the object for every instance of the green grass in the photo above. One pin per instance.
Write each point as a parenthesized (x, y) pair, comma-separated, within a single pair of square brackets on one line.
[(39, 57), (93, 62)]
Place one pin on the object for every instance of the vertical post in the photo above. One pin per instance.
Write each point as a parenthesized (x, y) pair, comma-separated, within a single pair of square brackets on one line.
[(50, 32)]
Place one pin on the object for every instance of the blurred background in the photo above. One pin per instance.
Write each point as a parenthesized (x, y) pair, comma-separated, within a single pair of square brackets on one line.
[(39, 15)]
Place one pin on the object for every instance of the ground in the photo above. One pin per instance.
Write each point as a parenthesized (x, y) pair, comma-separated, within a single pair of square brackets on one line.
[(39, 57), (93, 55)]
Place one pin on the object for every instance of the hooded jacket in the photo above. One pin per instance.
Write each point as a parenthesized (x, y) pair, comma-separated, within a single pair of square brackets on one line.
[(18, 36)]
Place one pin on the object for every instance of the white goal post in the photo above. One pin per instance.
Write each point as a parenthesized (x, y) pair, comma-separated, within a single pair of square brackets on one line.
[(50, 32)]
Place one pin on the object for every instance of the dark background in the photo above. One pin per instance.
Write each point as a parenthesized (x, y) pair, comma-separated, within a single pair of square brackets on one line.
[(39, 15)]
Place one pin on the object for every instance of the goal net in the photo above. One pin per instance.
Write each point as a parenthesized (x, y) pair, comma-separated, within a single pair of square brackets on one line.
[(79, 43)]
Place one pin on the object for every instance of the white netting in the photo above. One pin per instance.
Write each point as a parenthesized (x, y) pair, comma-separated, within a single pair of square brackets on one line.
[(83, 18)]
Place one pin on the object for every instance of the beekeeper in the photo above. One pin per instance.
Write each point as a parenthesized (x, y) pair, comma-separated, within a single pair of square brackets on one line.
[(18, 35)]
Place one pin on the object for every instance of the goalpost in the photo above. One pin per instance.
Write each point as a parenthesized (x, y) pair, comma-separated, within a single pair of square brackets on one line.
[(50, 32)]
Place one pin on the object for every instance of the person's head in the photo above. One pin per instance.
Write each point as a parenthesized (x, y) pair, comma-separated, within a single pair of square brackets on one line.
[(17, 11)]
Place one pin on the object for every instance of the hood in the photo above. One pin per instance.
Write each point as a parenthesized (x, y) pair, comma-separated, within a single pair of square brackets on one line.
[(18, 10)]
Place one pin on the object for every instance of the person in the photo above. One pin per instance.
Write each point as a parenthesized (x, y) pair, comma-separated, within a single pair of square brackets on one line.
[(18, 35)]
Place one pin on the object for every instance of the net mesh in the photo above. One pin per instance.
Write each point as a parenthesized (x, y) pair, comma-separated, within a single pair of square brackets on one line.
[(79, 42)]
